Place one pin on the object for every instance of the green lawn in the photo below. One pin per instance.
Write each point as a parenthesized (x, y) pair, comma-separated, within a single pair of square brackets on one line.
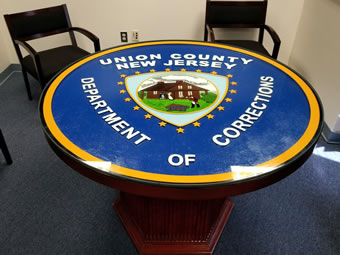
[(159, 104)]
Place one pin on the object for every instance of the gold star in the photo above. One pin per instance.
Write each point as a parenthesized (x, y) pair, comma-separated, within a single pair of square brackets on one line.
[(229, 75), (220, 108), (127, 99), (122, 75), (233, 83), (233, 91), (152, 70), (196, 124), (137, 72), (122, 91), (210, 116), (167, 70), (183, 70), (198, 71), (228, 100), (214, 72), (180, 130), (120, 83), (136, 108), (148, 116), (162, 124)]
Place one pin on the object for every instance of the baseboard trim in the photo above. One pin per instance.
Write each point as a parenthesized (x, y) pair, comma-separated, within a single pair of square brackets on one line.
[(329, 136), (4, 75)]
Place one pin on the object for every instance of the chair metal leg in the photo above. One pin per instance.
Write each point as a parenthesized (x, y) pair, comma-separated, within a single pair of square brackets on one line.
[(27, 84), (5, 149)]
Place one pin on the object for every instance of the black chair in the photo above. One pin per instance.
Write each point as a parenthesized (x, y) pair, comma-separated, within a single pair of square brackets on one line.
[(236, 14), (43, 65), (4, 149)]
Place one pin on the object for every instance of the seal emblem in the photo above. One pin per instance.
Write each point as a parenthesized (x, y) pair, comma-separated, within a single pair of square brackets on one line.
[(178, 98)]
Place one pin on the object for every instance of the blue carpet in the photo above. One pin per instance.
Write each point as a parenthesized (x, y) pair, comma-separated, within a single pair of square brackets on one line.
[(47, 208)]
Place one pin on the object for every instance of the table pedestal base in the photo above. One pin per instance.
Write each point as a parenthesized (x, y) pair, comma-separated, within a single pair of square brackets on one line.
[(164, 226)]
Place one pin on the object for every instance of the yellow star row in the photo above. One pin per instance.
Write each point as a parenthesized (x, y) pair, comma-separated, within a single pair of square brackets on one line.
[(163, 124), (179, 130)]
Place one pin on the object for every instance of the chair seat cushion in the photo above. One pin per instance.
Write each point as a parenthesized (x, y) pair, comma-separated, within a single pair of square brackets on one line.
[(54, 60), (250, 45)]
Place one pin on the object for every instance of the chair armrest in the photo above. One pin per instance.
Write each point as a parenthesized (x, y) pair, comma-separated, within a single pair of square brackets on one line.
[(89, 35), (276, 40), (210, 32), (32, 53), (27, 47)]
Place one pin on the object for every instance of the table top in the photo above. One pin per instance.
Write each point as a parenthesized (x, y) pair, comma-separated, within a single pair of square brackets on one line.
[(181, 113)]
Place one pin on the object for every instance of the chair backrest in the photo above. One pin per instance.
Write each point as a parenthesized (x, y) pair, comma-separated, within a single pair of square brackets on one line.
[(39, 23), (236, 13)]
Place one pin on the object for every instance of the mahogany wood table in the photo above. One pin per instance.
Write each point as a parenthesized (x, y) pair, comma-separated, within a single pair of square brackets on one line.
[(178, 127)]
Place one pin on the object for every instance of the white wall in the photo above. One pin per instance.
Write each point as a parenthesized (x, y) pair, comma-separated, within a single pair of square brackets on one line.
[(155, 20), (4, 56), (316, 53), (284, 16)]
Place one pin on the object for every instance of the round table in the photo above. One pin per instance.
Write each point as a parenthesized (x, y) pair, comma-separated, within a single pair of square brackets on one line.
[(178, 127)]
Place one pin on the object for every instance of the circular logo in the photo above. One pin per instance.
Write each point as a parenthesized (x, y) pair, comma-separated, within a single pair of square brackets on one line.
[(181, 112)]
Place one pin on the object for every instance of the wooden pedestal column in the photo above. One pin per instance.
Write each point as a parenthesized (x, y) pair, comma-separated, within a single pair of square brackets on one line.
[(163, 226)]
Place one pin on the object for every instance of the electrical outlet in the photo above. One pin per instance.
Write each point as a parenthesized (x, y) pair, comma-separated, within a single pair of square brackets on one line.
[(124, 36), (135, 35)]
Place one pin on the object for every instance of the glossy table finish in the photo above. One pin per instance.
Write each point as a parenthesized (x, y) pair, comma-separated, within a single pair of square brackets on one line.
[(178, 127)]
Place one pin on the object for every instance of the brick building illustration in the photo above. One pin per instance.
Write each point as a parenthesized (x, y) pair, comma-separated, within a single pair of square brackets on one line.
[(174, 90)]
